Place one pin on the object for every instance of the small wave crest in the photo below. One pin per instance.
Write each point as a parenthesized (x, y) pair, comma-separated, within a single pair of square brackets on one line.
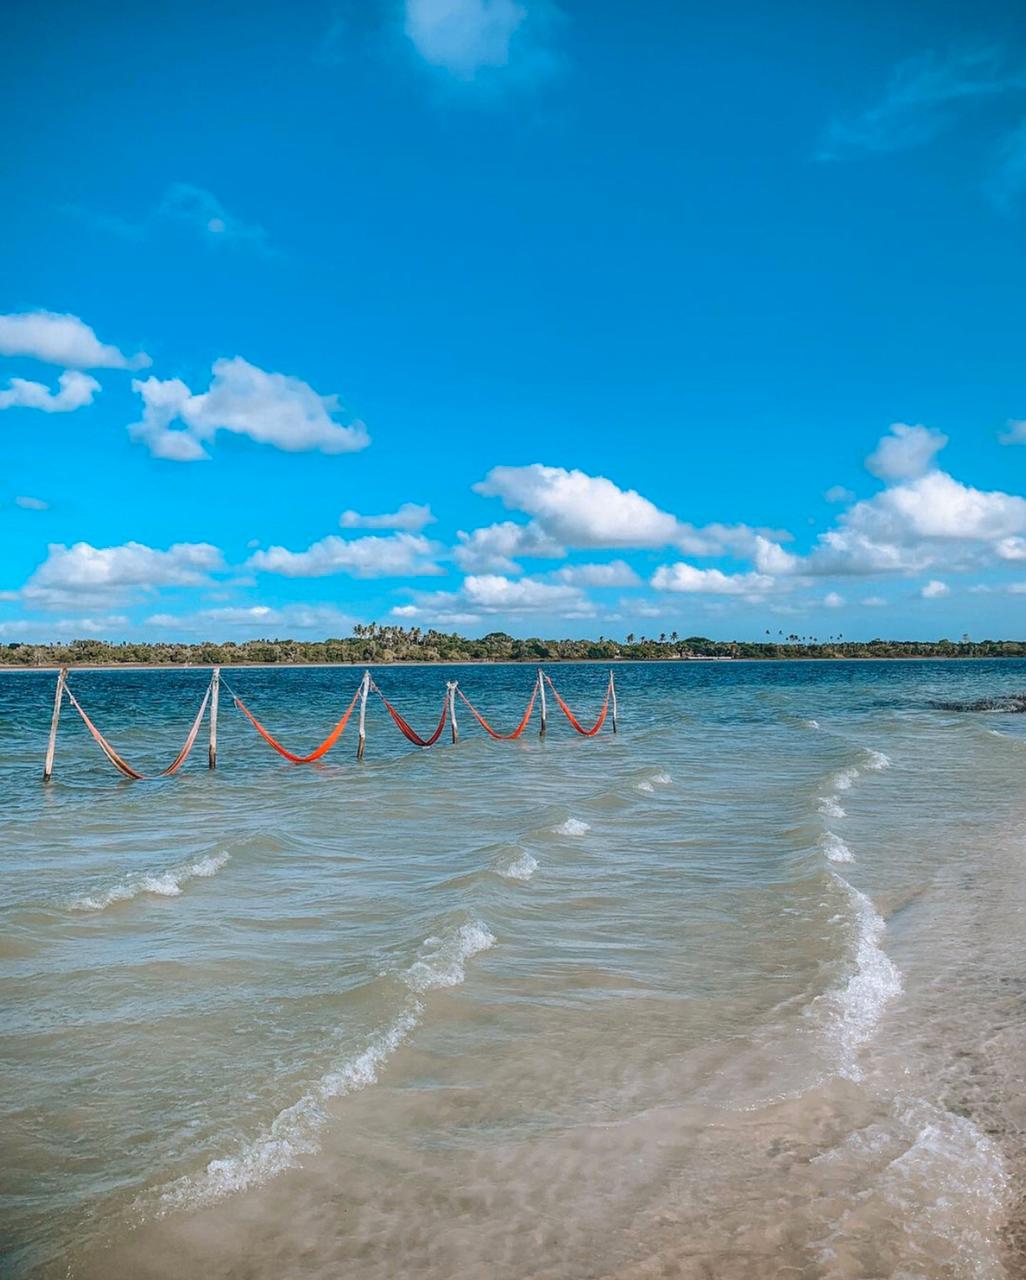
[(441, 961), (572, 827), (164, 884), (830, 807), (835, 848), (856, 1008), (843, 779), (811, 724), (294, 1131), (877, 759), (521, 867)]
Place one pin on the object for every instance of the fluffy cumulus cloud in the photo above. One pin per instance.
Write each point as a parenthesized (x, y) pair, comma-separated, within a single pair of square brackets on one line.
[(61, 339), (37, 631), (75, 390), (270, 408), (464, 36), (82, 574), (935, 590), (492, 549), (410, 517), (574, 509), (484, 594), (907, 453), (398, 556), (686, 578)]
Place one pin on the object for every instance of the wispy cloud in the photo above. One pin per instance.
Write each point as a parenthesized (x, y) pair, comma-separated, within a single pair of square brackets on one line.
[(924, 96), (1007, 182), (191, 209)]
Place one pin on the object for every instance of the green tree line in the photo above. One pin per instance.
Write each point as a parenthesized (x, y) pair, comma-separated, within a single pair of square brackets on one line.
[(372, 643)]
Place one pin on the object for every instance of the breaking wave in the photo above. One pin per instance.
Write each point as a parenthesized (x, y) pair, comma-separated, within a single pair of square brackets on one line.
[(835, 848), (164, 884), (572, 827)]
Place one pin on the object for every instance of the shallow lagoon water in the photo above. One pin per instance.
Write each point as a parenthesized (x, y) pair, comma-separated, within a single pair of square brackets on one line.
[(737, 991)]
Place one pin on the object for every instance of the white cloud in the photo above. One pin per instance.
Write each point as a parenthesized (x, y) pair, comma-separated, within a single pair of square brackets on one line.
[(932, 520), (82, 574), (266, 621), (838, 493), (493, 593), (575, 509), (38, 631), (934, 590), (683, 577), (31, 504), (61, 339), (833, 601), (874, 602), (201, 212), (770, 557), (907, 453), (492, 548), (617, 573), (399, 555), (464, 36), (270, 408), (76, 389), (410, 517)]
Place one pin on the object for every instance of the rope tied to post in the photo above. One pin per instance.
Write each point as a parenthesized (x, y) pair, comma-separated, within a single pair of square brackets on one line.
[(585, 733), (317, 752), (120, 763), (502, 737), (405, 729)]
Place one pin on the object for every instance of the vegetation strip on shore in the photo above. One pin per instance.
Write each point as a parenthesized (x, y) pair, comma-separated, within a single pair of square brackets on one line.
[(376, 644)]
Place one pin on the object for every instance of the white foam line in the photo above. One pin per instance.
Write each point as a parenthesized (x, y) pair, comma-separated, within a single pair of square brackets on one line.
[(830, 808), (877, 759), (165, 884), (856, 1008), (295, 1131)]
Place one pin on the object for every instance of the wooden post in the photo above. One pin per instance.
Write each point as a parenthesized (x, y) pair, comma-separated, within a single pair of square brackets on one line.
[(51, 746), (612, 694), (361, 745), (544, 709), (215, 689), (451, 686)]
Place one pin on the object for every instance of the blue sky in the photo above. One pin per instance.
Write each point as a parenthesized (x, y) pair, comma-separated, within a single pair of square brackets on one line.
[(512, 314)]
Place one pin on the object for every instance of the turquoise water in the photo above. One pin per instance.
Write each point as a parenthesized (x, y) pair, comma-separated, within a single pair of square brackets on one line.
[(738, 991)]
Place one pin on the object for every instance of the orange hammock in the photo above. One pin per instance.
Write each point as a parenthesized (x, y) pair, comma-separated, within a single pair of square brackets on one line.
[(585, 733), (316, 754), (502, 737), (122, 765), (411, 734)]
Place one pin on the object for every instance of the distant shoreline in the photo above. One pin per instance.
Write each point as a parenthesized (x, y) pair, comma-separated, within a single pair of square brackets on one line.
[(497, 662)]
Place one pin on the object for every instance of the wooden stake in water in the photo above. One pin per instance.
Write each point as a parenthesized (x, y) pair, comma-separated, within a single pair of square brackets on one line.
[(361, 745), (544, 709), (612, 694), (51, 746), (215, 689), (451, 686)]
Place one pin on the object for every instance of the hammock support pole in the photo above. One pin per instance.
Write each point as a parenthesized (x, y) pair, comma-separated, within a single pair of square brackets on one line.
[(451, 686), (612, 694), (544, 709), (51, 745), (215, 689), (361, 745)]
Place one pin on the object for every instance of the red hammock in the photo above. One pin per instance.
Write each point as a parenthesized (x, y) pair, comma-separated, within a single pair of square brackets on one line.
[(503, 737), (585, 733), (122, 765), (316, 754), (411, 734)]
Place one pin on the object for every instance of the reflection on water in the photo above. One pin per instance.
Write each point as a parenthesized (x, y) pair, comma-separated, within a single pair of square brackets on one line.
[(737, 991)]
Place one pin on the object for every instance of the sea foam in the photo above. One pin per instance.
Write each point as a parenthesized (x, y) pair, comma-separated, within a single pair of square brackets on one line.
[(521, 867), (572, 827), (856, 1008), (441, 962), (164, 884), (835, 848)]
